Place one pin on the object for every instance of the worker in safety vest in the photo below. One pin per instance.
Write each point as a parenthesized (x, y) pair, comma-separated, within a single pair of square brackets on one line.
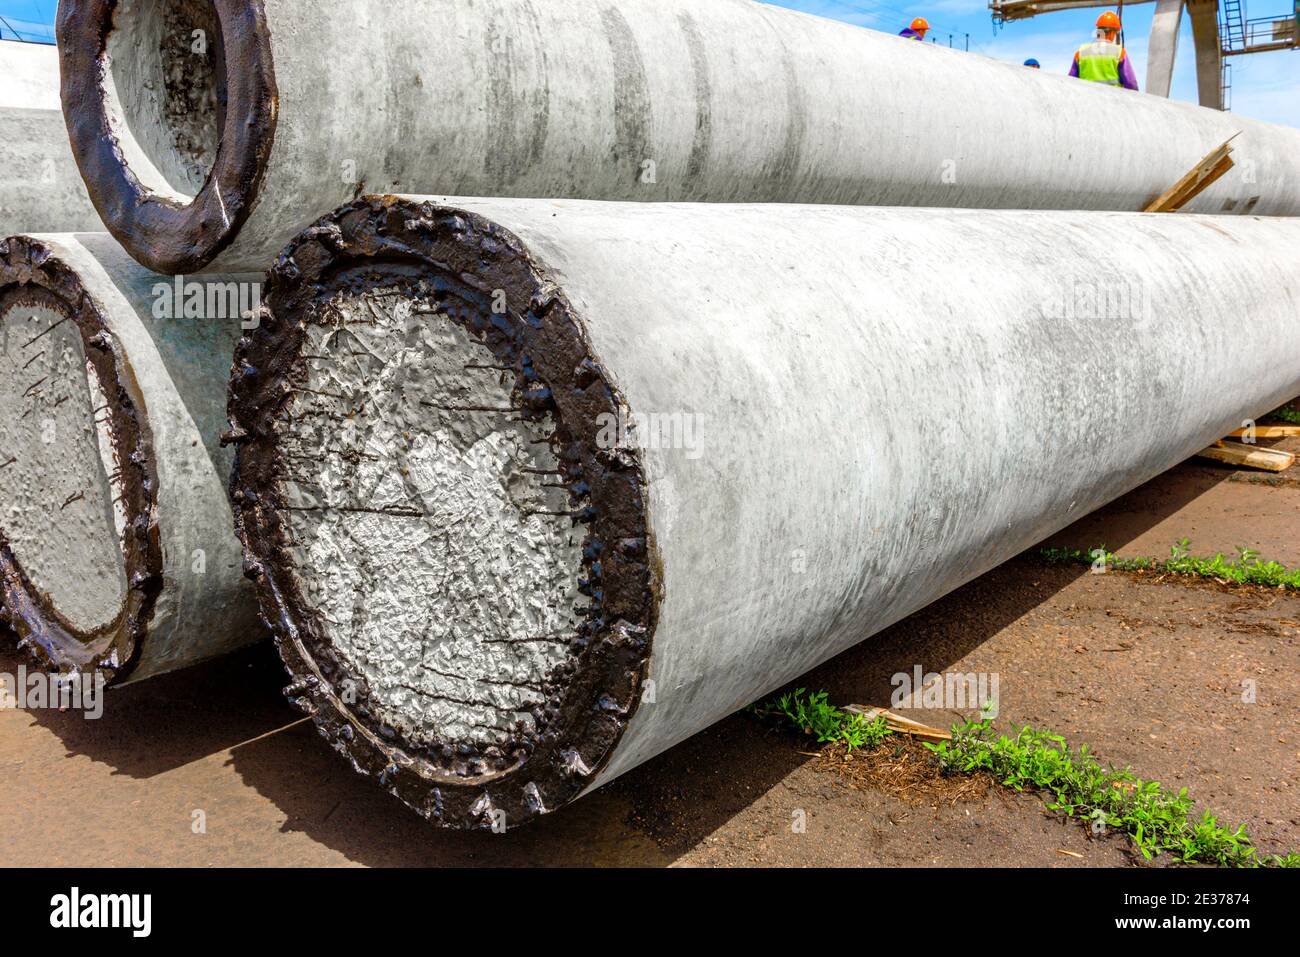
[(917, 31), (1104, 60)]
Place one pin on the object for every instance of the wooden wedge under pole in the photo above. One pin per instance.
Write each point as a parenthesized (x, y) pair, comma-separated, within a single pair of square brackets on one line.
[(900, 725), (1217, 162), (1237, 453), (1269, 432)]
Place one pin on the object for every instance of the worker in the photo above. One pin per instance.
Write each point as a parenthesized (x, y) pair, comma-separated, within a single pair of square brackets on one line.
[(1104, 60), (1033, 64), (917, 31)]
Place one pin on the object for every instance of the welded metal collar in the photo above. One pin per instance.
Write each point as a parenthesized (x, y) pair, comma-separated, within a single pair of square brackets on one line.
[(31, 272), (159, 232), (382, 241)]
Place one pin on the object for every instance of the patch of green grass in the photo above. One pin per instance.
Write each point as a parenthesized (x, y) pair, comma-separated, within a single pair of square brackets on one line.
[(811, 714), (1245, 569), (1288, 413), (1157, 819)]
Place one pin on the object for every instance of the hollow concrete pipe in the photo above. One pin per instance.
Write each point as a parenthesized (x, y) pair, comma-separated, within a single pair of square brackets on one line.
[(211, 131), (117, 549), (40, 186), (534, 489)]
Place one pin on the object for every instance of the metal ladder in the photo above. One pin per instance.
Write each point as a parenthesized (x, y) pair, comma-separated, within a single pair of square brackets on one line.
[(1232, 26)]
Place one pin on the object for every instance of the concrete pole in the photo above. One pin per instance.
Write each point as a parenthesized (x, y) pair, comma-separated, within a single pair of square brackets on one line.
[(117, 554), (1209, 53), (533, 490), (40, 186), (1162, 50), (664, 100)]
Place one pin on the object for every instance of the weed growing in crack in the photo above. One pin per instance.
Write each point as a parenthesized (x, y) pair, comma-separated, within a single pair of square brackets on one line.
[(811, 714), (1245, 569), (1288, 413), (1157, 819)]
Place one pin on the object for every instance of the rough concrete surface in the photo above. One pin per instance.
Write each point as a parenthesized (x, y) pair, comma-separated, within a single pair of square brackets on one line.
[(794, 526), (471, 504), (1169, 703), (726, 101), (122, 555), (41, 189), (60, 464)]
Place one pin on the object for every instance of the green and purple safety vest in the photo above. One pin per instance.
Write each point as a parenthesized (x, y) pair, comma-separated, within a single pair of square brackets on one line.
[(1099, 62)]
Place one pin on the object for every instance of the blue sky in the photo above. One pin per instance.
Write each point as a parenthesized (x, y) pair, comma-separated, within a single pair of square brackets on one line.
[(1264, 85)]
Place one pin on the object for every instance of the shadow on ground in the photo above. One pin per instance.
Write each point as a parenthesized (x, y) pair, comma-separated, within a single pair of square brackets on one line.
[(651, 816)]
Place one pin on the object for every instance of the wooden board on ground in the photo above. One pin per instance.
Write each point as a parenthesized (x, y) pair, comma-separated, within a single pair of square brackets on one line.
[(1237, 453), (900, 725), (1270, 432)]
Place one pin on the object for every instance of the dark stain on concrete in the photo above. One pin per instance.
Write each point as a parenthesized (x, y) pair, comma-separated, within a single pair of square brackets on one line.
[(783, 169), (703, 141), (541, 105), (778, 176), (404, 65), (632, 112), (518, 114)]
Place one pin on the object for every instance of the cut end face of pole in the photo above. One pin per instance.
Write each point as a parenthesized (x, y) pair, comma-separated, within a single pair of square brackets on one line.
[(171, 111), (80, 567), (533, 490), (421, 406)]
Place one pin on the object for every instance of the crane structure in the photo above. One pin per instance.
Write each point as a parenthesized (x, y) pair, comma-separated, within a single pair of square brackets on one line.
[(1221, 29)]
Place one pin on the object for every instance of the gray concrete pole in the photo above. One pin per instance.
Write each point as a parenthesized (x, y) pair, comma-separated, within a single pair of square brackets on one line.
[(1162, 50), (726, 101), (117, 553), (1209, 55), (533, 490), (40, 186)]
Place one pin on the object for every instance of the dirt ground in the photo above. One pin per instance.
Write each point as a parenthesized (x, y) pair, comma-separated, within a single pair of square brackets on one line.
[(1149, 672)]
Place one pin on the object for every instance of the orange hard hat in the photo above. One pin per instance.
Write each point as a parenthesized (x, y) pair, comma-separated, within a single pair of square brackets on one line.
[(920, 24), (1108, 21)]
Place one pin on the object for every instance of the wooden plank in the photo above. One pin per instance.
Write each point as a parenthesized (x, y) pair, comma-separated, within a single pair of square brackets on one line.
[(1217, 162), (900, 725), (1189, 187), (1270, 432), (1194, 181), (1235, 453)]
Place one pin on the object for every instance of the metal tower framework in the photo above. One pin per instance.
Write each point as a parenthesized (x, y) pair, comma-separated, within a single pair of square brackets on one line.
[(1221, 29)]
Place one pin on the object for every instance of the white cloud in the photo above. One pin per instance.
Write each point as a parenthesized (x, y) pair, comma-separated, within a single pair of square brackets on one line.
[(1055, 51)]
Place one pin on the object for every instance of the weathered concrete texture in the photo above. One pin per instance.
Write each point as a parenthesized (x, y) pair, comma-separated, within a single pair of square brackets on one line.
[(30, 80), (441, 448), (834, 416), (116, 549), (41, 189), (49, 454), (1162, 50), (729, 101), (1204, 15)]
